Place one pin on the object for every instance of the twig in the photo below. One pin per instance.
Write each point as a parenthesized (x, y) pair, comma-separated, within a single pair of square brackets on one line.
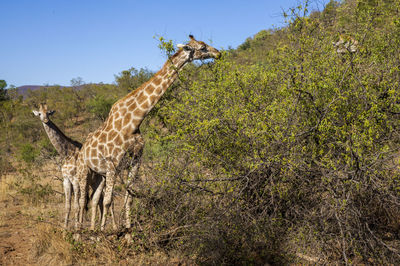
[(395, 251), (343, 240)]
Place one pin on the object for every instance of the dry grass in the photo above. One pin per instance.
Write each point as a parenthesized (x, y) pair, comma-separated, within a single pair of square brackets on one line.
[(5, 184), (56, 246), (50, 247), (33, 213)]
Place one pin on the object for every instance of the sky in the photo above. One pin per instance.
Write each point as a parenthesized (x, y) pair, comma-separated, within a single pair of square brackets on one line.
[(48, 42)]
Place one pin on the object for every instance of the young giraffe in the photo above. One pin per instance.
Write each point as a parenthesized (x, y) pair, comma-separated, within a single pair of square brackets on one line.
[(68, 150), (118, 141)]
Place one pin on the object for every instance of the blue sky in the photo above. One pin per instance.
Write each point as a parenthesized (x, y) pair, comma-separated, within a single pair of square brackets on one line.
[(54, 41)]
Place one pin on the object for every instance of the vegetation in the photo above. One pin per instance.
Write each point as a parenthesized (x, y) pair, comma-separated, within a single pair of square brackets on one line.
[(3, 92), (282, 151)]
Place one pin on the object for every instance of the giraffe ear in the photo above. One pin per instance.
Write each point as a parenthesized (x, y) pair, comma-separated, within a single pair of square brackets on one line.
[(36, 113), (179, 45)]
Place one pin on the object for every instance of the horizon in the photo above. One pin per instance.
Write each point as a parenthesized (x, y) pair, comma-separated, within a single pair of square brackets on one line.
[(51, 43)]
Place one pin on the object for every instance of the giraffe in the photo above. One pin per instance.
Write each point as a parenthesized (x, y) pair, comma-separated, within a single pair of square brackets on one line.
[(345, 44), (118, 143), (68, 150)]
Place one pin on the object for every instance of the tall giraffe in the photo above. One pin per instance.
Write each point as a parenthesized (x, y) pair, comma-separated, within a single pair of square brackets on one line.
[(118, 140), (68, 150)]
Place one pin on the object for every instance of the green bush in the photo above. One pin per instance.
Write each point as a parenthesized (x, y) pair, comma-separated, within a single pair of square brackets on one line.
[(100, 106), (291, 155), (28, 153)]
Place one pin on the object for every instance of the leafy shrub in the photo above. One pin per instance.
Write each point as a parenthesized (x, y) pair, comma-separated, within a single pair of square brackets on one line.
[(132, 78), (100, 106), (293, 155), (28, 153)]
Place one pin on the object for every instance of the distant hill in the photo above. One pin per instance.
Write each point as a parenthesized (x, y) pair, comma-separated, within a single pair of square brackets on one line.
[(23, 90)]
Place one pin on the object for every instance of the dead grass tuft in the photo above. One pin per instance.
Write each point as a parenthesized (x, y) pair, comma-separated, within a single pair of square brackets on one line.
[(51, 248), (56, 246)]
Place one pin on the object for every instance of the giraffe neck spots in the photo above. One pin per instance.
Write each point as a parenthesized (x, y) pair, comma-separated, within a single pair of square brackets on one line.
[(127, 114), (63, 145)]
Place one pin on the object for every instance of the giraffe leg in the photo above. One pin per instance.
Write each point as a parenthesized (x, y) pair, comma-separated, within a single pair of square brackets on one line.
[(132, 176), (68, 194), (96, 180), (128, 202), (100, 204), (95, 201), (83, 190), (110, 181), (101, 207), (128, 194), (76, 191), (114, 224)]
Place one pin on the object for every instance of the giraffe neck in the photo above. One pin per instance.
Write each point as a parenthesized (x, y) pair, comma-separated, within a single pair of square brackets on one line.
[(136, 105), (63, 144)]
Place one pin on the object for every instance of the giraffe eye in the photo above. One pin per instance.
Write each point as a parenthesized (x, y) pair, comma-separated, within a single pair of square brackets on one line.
[(203, 49)]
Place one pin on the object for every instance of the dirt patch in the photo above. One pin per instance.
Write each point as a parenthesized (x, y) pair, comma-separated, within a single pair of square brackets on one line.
[(16, 234)]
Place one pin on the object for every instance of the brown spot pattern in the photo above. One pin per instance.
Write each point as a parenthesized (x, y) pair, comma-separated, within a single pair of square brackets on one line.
[(102, 164), (165, 84), (157, 81), (102, 138), (122, 112), (109, 126), (118, 124), (101, 148), (162, 72), (149, 89), (132, 106), (118, 140), (153, 99), (141, 98), (117, 150), (110, 147), (111, 135), (130, 102), (158, 90), (145, 105), (127, 118), (139, 113), (93, 153)]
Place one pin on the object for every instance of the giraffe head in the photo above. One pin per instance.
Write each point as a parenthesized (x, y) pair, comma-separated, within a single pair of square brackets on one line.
[(43, 113), (198, 50)]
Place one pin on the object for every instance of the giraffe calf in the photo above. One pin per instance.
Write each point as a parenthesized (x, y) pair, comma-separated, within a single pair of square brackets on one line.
[(68, 149)]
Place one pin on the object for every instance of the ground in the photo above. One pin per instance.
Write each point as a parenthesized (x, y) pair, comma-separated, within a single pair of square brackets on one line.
[(22, 218), (32, 233), (16, 234)]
